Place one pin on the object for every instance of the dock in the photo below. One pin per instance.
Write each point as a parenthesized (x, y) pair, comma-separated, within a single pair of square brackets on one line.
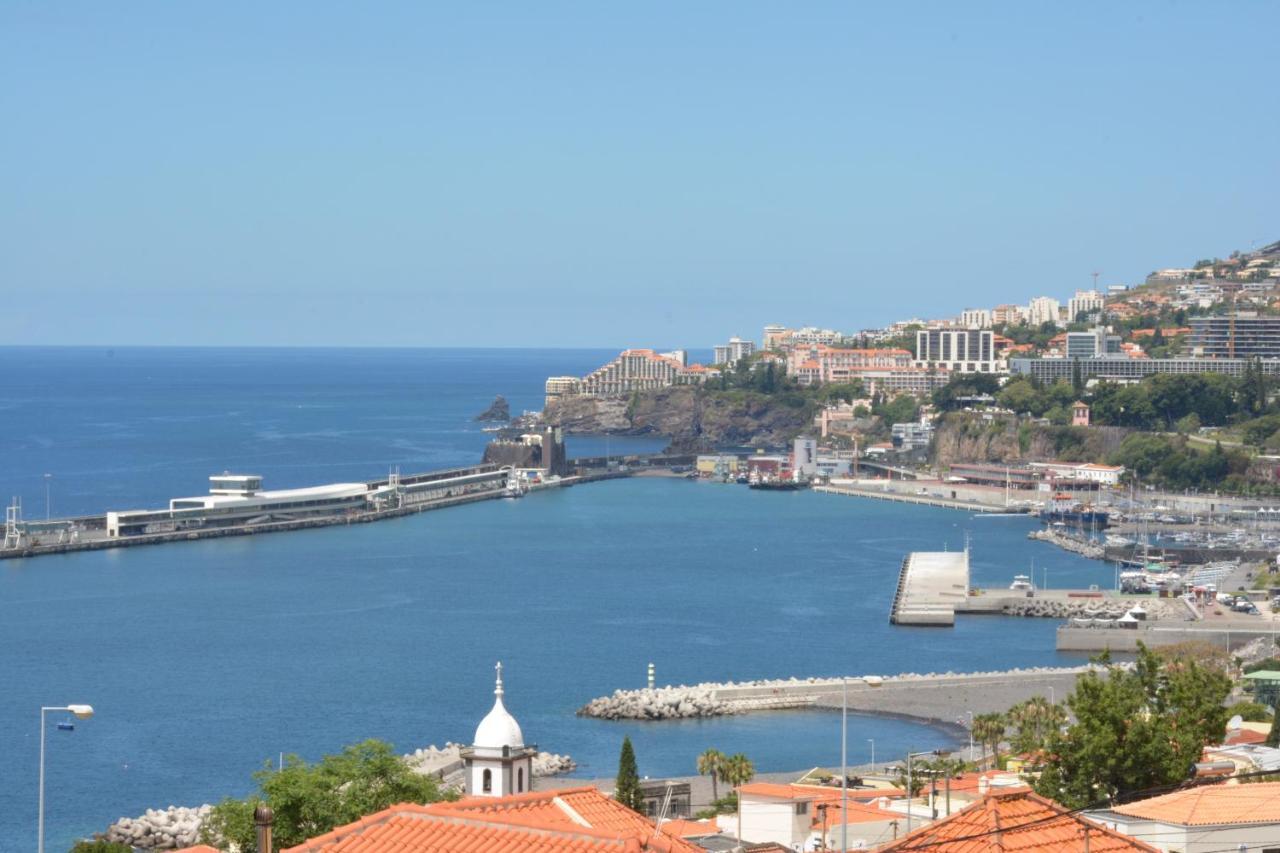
[(923, 496), (931, 585)]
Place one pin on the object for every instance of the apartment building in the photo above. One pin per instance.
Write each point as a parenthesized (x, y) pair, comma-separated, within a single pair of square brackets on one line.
[(1237, 335), (1091, 344), (733, 352), (1083, 303), (976, 318), (957, 350), (1121, 368), (1044, 309), (640, 370)]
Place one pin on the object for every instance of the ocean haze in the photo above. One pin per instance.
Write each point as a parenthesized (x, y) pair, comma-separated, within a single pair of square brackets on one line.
[(578, 175)]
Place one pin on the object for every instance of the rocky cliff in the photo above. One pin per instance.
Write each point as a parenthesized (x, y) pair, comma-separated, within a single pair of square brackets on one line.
[(969, 437), (694, 418)]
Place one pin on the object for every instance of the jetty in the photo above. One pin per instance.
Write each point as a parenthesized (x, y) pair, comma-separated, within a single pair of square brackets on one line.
[(923, 493), (931, 585), (932, 695)]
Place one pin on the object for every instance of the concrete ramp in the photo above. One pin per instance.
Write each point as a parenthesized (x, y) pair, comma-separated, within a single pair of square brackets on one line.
[(931, 584)]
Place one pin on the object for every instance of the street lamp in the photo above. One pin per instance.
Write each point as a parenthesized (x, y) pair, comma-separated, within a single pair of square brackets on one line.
[(82, 712), (47, 478), (872, 741), (910, 755), (870, 681)]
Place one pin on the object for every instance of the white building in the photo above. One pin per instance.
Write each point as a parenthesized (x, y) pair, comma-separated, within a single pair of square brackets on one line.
[(734, 351), (1044, 309), (959, 350), (498, 762), (1084, 302), (804, 457), (1203, 819), (975, 318), (562, 386)]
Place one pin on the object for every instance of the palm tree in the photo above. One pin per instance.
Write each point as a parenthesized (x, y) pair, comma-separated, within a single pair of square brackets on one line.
[(988, 730), (737, 770), (711, 763)]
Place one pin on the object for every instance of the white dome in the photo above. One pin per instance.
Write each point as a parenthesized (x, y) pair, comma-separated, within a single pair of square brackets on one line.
[(498, 728)]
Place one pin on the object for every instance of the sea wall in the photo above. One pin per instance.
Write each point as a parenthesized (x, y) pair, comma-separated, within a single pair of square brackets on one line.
[(712, 699), (447, 760)]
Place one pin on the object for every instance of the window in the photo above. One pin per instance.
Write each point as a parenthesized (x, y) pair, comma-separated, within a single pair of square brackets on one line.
[(802, 808), (520, 780), (486, 782)]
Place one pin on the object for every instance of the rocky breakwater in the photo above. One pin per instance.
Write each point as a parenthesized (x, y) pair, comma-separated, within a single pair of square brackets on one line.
[(447, 760), (1076, 544), (660, 703), (160, 829), (711, 699), (1049, 608)]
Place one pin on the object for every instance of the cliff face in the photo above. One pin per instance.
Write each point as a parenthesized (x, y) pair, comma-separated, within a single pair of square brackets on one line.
[(965, 437), (694, 418)]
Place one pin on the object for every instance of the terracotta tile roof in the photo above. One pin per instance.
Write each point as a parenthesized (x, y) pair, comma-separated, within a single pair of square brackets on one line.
[(1211, 805), (1244, 736), (1015, 823), (787, 792), (690, 828), (568, 819)]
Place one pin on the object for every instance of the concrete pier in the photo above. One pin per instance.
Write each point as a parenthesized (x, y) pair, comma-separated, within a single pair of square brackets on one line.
[(931, 585)]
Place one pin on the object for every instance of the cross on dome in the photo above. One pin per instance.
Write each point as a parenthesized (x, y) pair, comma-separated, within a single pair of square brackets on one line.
[(498, 729)]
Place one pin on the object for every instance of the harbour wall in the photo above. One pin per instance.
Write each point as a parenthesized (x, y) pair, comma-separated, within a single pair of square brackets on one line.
[(898, 694)]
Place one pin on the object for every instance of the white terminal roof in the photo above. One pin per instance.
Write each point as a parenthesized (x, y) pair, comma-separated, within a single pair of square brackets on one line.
[(329, 491)]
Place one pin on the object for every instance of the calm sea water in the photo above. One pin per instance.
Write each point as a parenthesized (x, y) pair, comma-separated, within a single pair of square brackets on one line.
[(204, 659)]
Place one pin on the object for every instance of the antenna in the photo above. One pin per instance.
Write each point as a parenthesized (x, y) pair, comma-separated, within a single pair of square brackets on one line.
[(1095, 275)]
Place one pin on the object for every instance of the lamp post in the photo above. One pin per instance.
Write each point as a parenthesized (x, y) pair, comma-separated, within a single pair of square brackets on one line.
[(910, 756), (970, 713), (870, 681), (872, 741), (82, 712), (47, 512)]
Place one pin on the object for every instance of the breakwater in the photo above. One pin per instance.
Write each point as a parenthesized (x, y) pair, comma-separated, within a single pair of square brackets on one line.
[(922, 496), (712, 699), (1075, 544)]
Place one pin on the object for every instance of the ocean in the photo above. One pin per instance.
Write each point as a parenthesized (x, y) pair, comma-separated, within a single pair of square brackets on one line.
[(206, 659)]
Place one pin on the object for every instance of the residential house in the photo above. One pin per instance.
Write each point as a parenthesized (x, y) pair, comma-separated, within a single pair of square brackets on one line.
[(1203, 819)]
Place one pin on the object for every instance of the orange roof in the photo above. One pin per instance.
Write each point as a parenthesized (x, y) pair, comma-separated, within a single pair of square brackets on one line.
[(1211, 805), (1243, 736), (690, 828), (788, 792), (1015, 823), (568, 819), (858, 813)]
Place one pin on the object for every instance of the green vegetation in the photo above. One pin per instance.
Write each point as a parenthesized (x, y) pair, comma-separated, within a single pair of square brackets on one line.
[(709, 764), (737, 770), (1135, 729), (100, 845), (626, 788), (311, 799), (1252, 712), (988, 730), (725, 805)]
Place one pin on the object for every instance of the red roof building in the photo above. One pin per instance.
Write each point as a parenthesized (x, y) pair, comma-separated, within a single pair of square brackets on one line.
[(581, 820), (1016, 823)]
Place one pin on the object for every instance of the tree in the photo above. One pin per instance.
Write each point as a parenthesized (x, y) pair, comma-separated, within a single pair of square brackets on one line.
[(1273, 736), (1035, 721), (988, 730), (737, 770), (627, 786), (1135, 729), (311, 799), (710, 763)]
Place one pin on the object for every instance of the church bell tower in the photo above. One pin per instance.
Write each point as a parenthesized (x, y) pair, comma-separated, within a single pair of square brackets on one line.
[(498, 762)]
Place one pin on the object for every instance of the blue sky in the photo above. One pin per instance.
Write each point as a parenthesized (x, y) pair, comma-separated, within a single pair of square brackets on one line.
[(549, 174)]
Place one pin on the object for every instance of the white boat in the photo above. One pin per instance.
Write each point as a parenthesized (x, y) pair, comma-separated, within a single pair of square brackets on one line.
[(1022, 583)]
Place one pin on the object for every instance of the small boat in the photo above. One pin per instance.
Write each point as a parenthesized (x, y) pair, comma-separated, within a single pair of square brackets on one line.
[(1022, 583)]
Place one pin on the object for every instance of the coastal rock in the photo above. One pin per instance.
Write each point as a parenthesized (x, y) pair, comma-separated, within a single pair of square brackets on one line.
[(695, 419), (499, 410), (160, 829), (1001, 438)]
